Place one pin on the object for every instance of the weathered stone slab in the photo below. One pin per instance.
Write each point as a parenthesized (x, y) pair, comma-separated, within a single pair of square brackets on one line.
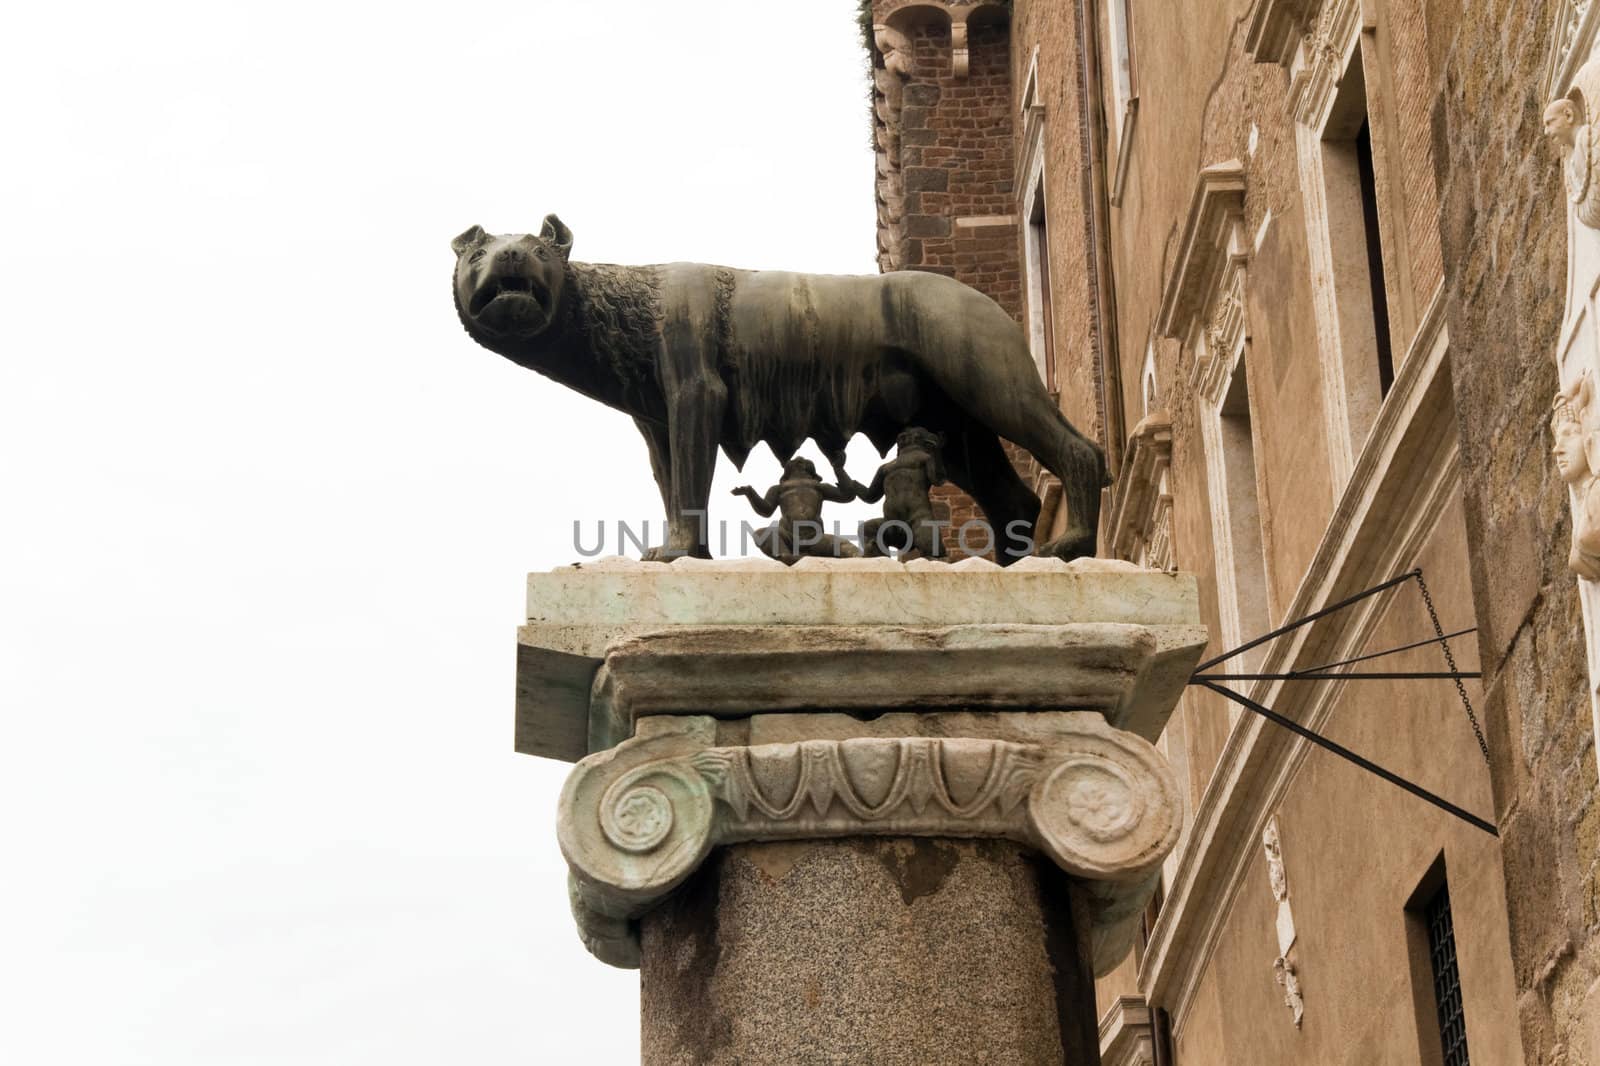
[(726, 671), (610, 642)]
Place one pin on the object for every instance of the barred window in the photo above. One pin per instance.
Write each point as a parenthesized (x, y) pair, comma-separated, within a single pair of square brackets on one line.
[(1446, 977)]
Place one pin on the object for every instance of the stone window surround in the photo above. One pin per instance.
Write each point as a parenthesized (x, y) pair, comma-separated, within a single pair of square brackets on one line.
[(1203, 309), (1141, 500), (1411, 463), (1125, 89), (1316, 43), (1139, 530), (1126, 1036), (1030, 183)]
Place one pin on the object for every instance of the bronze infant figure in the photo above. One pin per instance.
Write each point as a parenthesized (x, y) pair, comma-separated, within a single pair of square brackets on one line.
[(798, 497), (902, 484)]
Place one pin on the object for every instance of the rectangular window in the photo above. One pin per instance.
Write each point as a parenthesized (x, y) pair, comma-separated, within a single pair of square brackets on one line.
[(1435, 975), (1446, 977), (1044, 341), (1035, 229), (1121, 63), (1375, 275), (1248, 570), (1119, 97), (1359, 294)]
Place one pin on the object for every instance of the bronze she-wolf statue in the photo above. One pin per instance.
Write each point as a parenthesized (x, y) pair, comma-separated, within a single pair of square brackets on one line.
[(705, 356)]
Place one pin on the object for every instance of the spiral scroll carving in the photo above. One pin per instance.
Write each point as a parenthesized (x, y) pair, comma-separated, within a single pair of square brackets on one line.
[(632, 834), (1105, 816), (638, 820)]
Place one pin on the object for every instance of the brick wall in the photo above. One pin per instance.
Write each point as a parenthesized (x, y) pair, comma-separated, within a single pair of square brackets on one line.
[(1052, 28), (1412, 83), (957, 157)]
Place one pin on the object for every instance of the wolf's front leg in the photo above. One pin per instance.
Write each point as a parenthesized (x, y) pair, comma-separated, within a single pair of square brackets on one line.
[(655, 439), (695, 429), (696, 396)]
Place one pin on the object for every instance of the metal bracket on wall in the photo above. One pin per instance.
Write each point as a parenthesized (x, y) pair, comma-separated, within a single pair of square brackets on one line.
[(1330, 672)]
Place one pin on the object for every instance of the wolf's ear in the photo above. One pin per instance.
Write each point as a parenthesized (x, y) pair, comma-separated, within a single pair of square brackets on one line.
[(557, 235), (470, 239)]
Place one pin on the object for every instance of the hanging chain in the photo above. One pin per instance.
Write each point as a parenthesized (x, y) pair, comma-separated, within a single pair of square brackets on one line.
[(1450, 661)]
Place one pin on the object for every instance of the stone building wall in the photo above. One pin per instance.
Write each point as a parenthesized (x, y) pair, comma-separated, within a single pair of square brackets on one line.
[(1505, 239), (1215, 271), (1214, 107)]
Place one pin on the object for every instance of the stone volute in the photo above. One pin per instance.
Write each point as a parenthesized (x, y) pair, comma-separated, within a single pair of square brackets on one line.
[(858, 810)]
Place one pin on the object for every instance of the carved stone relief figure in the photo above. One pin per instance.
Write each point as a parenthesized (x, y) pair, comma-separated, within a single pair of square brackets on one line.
[(889, 83), (1273, 846), (1573, 91), (1283, 966), (1324, 46), (1283, 970), (1219, 331), (1576, 449)]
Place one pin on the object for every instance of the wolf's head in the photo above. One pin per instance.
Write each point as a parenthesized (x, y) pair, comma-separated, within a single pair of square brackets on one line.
[(509, 286)]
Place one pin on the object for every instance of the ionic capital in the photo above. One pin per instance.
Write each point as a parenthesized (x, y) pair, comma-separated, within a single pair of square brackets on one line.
[(638, 819)]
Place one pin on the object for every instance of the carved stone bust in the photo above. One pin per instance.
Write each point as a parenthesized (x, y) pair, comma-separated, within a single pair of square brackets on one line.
[(1563, 124), (1569, 123), (1576, 447)]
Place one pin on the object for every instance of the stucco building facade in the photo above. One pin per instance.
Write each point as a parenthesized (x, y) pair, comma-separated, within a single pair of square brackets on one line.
[(1315, 275)]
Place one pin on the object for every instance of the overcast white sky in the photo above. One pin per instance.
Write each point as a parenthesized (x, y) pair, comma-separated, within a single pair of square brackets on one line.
[(267, 510)]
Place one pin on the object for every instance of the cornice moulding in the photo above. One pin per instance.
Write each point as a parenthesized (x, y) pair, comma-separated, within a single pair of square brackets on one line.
[(1203, 251), (1138, 485), (1325, 53), (1275, 28), (1125, 1036)]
